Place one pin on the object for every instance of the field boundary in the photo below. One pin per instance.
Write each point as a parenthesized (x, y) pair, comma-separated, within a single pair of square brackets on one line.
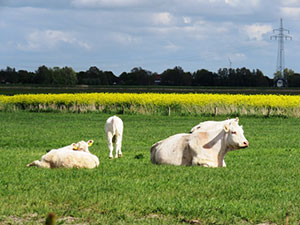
[(38, 89), (155, 103)]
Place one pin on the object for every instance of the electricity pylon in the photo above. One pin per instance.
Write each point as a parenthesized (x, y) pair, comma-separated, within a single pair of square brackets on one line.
[(281, 36)]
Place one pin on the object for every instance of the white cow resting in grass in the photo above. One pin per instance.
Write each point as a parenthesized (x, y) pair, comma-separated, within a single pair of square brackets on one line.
[(114, 133), (76, 155), (212, 125), (203, 148)]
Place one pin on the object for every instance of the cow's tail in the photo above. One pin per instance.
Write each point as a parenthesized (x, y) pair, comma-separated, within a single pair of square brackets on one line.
[(114, 139)]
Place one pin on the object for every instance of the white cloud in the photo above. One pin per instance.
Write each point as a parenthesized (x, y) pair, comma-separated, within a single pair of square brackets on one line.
[(256, 31), (232, 2), (241, 3), (196, 30), (105, 3), (237, 57), (39, 40), (164, 18), (172, 47), (290, 2), (292, 12), (187, 20), (124, 38)]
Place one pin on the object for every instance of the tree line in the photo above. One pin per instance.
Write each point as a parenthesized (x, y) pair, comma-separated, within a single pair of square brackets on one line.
[(239, 77)]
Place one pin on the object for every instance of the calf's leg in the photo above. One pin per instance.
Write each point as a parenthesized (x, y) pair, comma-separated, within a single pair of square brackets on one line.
[(118, 146), (38, 163), (109, 137)]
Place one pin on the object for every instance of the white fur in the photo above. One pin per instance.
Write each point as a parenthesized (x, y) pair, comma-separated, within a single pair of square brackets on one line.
[(203, 148), (212, 125), (68, 157), (114, 134)]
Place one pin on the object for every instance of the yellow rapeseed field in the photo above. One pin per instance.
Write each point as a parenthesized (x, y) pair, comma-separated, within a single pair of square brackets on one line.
[(206, 102)]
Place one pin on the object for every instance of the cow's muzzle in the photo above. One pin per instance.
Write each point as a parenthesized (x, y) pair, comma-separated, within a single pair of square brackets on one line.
[(245, 144)]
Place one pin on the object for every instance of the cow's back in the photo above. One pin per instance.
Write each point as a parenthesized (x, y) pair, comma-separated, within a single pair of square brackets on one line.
[(114, 125), (173, 150), (71, 159)]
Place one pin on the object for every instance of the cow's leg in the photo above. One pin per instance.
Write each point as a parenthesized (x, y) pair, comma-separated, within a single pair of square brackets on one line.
[(203, 162), (109, 137), (38, 163), (223, 164), (34, 163), (197, 162), (118, 146)]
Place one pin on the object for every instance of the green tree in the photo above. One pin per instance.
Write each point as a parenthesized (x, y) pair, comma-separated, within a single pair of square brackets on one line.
[(204, 78), (110, 77), (64, 76), (43, 75), (176, 77), (288, 73), (11, 75), (137, 76), (26, 77), (94, 76)]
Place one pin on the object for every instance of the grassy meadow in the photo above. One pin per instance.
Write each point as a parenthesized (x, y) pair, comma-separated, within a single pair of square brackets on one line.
[(260, 184)]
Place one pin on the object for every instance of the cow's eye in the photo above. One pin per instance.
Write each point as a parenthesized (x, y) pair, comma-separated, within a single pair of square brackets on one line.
[(233, 132)]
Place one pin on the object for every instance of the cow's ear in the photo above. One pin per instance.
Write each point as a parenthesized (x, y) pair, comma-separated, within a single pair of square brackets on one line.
[(74, 146), (90, 143), (236, 119), (226, 128)]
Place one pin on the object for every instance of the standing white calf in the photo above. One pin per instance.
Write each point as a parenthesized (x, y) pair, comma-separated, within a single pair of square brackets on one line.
[(114, 134)]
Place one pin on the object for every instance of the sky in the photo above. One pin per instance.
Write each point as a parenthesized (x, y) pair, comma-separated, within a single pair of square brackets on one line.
[(118, 35)]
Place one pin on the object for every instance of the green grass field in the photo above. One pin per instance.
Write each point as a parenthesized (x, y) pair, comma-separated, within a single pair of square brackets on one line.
[(260, 184)]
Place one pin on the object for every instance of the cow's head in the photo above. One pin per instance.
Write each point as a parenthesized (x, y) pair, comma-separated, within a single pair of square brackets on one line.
[(235, 138), (83, 146)]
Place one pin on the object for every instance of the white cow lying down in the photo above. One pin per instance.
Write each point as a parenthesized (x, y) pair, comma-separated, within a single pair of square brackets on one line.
[(114, 133), (76, 155), (203, 148)]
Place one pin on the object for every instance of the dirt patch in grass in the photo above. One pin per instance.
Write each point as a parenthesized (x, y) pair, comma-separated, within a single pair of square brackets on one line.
[(36, 219)]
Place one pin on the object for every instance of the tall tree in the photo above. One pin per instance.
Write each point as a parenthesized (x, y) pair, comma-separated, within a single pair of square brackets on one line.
[(64, 76), (204, 78), (11, 75), (176, 77), (43, 75), (137, 76), (26, 77)]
